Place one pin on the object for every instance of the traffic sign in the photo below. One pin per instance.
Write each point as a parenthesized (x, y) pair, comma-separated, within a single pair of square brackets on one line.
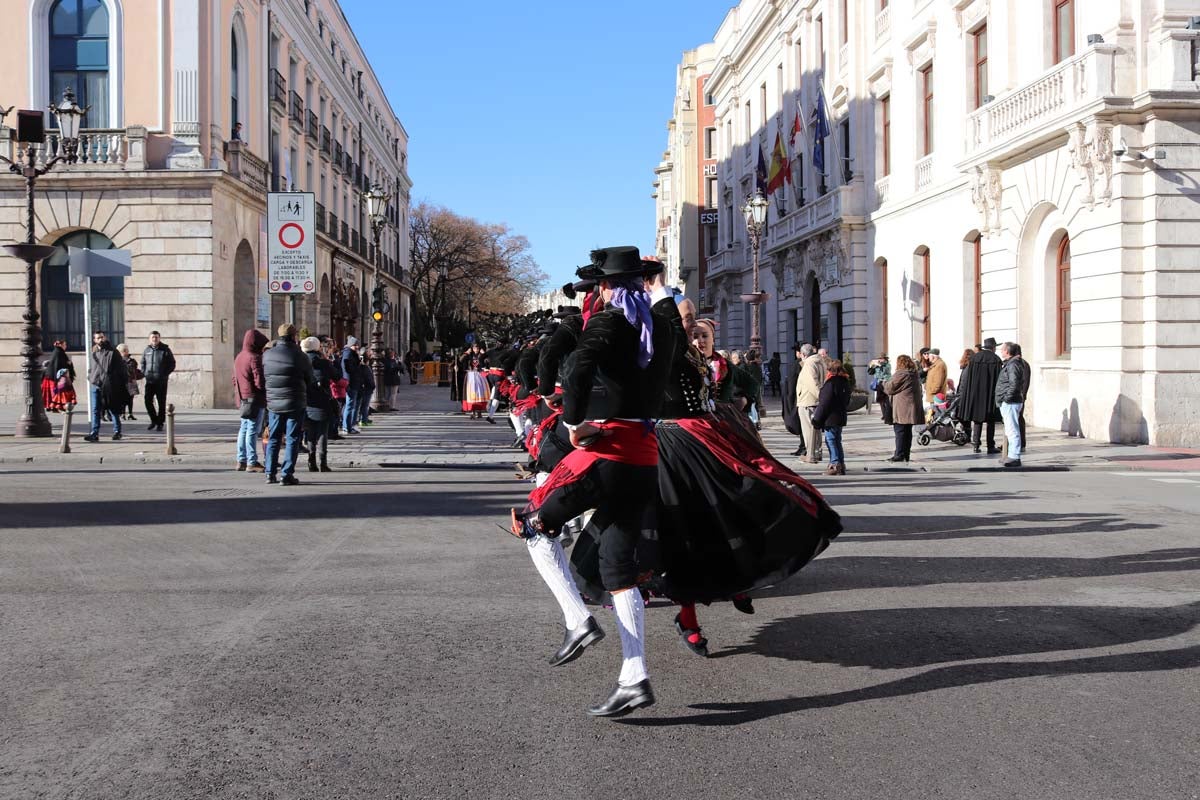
[(291, 243)]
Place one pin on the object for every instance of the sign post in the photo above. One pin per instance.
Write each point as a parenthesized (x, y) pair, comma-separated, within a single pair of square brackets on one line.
[(83, 265), (291, 246)]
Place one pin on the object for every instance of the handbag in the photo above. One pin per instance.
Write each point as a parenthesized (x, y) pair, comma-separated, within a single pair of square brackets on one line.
[(873, 385), (249, 408)]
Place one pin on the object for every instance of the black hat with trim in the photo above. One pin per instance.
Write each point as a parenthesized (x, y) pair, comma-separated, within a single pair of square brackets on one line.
[(567, 311), (617, 262)]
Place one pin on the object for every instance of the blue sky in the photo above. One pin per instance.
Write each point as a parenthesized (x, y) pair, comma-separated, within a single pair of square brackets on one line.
[(549, 116)]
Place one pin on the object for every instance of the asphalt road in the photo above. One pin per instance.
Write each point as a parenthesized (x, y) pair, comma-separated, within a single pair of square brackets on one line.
[(170, 633)]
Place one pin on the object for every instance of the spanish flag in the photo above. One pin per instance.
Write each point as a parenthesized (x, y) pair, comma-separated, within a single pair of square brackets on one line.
[(781, 167)]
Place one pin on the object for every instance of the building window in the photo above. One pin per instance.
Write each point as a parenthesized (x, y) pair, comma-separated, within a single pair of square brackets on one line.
[(79, 56), (821, 41), (708, 99), (779, 83), (1063, 272), (980, 57), (749, 123), (1064, 29), (927, 119), (235, 116), (710, 192), (885, 111), (728, 137), (926, 295), (62, 310), (713, 242), (883, 283), (710, 143), (845, 9), (844, 135), (762, 106)]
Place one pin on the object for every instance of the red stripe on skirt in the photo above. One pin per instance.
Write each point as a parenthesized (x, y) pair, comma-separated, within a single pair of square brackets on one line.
[(627, 442)]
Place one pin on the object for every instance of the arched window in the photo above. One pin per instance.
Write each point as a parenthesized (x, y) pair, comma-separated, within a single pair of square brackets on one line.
[(234, 82), (814, 311), (62, 310), (79, 56), (1063, 273)]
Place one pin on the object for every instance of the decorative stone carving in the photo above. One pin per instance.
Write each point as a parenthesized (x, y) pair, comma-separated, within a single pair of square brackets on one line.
[(1079, 148), (1102, 160), (987, 191), (920, 45), (967, 13)]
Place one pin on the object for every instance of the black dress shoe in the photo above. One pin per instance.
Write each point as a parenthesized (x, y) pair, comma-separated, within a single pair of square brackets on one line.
[(977, 449), (574, 642), (290, 480), (699, 646), (1012, 462), (625, 699), (744, 604), (994, 451), (800, 451), (272, 479), (897, 459)]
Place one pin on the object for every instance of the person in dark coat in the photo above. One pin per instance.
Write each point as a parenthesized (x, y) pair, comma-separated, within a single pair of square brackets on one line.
[(108, 379), (249, 383), (775, 373), (791, 414), (833, 406), (977, 393), (288, 374), (58, 360), (321, 410), (158, 362), (904, 389), (350, 363)]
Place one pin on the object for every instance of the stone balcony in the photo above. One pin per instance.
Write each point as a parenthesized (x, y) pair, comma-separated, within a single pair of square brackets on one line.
[(1100, 78), (723, 262), (106, 149), (805, 221)]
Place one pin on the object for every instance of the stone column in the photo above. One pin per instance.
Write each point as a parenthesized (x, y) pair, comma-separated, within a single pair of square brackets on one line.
[(185, 105)]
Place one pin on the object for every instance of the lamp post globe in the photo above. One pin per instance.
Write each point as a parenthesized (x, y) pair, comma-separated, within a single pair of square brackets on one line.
[(70, 119)]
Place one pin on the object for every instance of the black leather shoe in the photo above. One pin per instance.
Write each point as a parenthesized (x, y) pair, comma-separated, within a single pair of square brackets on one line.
[(699, 646), (745, 604), (575, 641), (897, 459), (800, 451), (994, 451), (625, 699), (1012, 462), (290, 480), (272, 479), (977, 449)]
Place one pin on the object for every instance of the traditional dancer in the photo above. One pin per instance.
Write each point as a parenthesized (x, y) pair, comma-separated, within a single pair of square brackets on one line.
[(610, 399), (475, 388)]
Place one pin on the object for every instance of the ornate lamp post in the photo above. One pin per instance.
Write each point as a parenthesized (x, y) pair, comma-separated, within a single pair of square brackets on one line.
[(755, 212), (470, 309), (33, 421), (377, 209)]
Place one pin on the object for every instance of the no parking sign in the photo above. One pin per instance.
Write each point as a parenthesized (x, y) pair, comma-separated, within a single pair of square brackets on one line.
[(291, 243)]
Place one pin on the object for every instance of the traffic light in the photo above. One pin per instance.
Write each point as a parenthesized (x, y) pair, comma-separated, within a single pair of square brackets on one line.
[(377, 304)]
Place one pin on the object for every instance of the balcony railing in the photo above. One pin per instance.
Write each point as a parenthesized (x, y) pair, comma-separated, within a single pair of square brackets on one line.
[(319, 217), (326, 141), (721, 262), (923, 176), (806, 220), (296, 110), (354, 241), (337, 156), (278, 90), (1041, 108), (883, 24), (247, 167), (345, 237), (881, 190), (97, 149), (314, 127), (333, 225)]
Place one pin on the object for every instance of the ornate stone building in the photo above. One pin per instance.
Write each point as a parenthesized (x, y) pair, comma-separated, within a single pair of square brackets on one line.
[(1026, 172), (197, 109)]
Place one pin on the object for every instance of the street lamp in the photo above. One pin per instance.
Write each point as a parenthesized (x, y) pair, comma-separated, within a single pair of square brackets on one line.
[(377, 209), (33, 421), (755, 212), (470, 308)]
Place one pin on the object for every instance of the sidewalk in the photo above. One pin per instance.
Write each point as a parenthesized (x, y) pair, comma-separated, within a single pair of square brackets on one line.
[(428, 430)]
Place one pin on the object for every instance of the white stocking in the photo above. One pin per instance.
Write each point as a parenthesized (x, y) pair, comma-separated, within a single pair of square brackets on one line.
[(551, 563), (631, 612)]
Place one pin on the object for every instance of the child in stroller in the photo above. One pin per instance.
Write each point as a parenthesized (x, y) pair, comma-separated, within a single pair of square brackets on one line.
[(944, 425)]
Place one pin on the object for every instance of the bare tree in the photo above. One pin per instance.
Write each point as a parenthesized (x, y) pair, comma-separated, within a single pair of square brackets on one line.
[(455, 258)]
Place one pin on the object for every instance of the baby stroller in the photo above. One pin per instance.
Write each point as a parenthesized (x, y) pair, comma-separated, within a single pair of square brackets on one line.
[(944, 425)]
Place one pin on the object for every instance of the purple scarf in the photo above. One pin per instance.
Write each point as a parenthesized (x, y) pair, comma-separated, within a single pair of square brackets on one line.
[(630, 297)]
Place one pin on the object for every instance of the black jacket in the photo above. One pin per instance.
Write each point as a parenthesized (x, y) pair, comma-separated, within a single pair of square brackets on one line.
[(107, 373), (349, 363), (977, 388), (59, 360), (1012, 383), (560, 345), (833, 403), (791, 415), (288, 373), (157, 362), (605, 382), (527, 369), (319, 403)]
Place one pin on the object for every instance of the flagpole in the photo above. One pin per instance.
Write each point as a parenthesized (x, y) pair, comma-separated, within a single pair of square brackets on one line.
[(837, 149)]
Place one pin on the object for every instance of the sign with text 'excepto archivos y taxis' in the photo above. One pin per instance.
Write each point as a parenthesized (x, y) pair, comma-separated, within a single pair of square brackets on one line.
[(291, 243)]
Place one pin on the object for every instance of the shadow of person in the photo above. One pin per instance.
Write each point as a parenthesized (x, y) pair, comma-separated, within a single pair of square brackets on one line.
[(909, 638), (928, 528)]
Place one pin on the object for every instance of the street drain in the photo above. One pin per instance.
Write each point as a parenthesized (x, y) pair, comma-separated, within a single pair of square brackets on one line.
[(227, 492)]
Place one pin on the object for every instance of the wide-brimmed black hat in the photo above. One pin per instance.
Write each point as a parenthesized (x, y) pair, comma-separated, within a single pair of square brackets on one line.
[(567, 311), (989, 343), (617, 262), (572, 290)]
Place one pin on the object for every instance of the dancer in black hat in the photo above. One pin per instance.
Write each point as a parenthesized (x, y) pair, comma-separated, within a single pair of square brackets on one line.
[(610, 400)]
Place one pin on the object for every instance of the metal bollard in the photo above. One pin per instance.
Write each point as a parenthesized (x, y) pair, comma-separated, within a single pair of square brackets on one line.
[(171, 451), (65, 445)]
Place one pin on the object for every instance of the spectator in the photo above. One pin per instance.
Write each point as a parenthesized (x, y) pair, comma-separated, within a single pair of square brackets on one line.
[(320, 412), (250, 385), (922, 364), (288, 374), (350, 371), (880, 370), (367, 390), (134, 375), (935, 379), (64, 389), (1010, 397), (1028, 376), (775, 373), (977, 395), (391, 377), (107, 378), (411, 360), (808, 394), (158, 362), (904, 389), (791, 413), (59, 360), (830, 415)]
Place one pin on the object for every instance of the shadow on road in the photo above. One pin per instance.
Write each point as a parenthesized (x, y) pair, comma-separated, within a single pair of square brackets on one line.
[(905, 638), (929, 527)]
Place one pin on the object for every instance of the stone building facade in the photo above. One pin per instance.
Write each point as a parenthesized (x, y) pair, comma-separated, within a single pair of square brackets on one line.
[(1025, 172), (197, 110)]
